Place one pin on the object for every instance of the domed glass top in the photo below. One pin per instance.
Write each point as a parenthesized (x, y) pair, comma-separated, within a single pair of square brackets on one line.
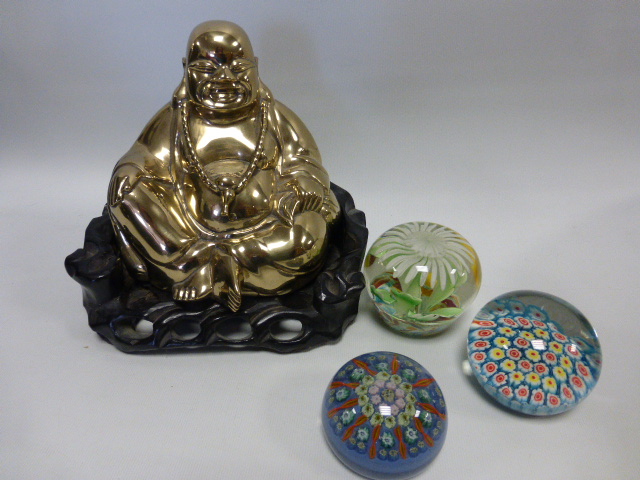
[(421, 277), (384, 415), (534, 352)]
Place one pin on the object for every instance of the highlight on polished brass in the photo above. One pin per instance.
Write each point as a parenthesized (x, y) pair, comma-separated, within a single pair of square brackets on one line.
[(224, 193)]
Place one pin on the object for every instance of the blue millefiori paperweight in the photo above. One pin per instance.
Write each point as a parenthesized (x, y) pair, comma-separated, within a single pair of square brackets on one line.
[(384, 416), (534, 353)]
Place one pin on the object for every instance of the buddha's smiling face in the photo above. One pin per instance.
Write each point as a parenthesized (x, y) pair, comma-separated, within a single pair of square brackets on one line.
[(221, 73)]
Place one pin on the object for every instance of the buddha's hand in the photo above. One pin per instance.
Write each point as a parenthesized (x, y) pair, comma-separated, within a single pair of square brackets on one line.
[(309, 192), (301, 195), (122, 182)]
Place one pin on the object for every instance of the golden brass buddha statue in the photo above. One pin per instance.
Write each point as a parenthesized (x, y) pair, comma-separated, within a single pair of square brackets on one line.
[(223, 194)]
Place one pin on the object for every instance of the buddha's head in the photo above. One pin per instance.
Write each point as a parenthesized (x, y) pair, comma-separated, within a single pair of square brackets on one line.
[(221, 72)]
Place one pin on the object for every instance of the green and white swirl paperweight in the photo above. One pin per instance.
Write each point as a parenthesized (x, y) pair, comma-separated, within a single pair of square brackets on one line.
[(421, 277)]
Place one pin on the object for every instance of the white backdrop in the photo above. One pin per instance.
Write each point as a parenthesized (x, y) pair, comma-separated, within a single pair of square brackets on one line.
[(514, 123)]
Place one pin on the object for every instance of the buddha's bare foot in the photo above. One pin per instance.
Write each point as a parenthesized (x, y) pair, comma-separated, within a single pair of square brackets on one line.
[(196, 286), (228, 282)]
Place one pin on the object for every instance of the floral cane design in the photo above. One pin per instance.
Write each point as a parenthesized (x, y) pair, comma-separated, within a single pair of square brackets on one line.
[(386, 407), (544, 371)]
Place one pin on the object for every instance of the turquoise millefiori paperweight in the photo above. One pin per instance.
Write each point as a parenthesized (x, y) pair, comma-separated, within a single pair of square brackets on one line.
[(421, 277), (534, 353), (384, 416)]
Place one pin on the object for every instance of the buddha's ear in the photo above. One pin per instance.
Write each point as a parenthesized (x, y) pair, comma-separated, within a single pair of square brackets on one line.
[(256, 61), (179, 94), (184, 62)]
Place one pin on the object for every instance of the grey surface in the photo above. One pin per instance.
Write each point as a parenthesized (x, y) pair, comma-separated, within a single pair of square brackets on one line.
[(514, 123)]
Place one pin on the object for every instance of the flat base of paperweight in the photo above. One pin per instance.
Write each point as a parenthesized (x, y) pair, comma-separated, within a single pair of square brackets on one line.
[(137, 317)]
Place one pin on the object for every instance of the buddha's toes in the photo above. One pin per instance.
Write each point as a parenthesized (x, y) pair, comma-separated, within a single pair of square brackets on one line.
[(196, 286), (228, 271), (234, 300), (185, 293)]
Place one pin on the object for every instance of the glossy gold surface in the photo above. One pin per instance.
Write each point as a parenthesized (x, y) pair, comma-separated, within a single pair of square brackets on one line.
[(224, 193)]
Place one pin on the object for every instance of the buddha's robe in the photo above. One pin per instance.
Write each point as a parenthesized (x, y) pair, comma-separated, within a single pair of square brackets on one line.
[(169, 223)]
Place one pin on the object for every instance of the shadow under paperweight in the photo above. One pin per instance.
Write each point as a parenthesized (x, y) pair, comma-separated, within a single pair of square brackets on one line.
[(221, 226)]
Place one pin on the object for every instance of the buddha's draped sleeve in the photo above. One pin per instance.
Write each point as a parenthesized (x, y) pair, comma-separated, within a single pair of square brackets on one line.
[(148, 159)]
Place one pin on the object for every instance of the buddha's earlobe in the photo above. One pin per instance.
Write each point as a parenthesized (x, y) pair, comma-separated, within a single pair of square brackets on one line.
[(179, 94)]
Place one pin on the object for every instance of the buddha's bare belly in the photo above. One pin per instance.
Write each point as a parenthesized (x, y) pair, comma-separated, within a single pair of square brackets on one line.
[(251, 206)]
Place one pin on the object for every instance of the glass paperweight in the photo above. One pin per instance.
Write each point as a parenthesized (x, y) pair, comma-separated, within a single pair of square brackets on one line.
[(534, 352), (384, 415), (421, 276)]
